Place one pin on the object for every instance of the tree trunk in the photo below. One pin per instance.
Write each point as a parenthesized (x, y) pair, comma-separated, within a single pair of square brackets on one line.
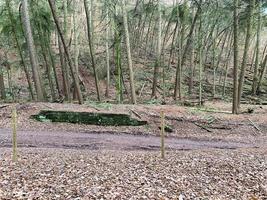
[(14, 32), (32, 52), (107, 53), (214, 66), (200, 49), (46, 64), (178, 79), (228, 58), (129, 55), (91, 46), (192, 28), (245, 55), (262, 74), (2, 84), (65, 35), (235, 80), (256, 68), (73, 71), (65, 78), (76, 50), (158, 61)]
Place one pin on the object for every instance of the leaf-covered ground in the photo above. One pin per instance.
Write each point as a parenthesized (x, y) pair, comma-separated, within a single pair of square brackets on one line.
[(83, 174)]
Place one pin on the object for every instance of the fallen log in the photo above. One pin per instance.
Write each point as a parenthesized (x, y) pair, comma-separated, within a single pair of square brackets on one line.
[(89, 118)]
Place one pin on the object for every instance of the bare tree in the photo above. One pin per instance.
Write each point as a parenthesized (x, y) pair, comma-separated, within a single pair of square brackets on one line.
[(32, 52)]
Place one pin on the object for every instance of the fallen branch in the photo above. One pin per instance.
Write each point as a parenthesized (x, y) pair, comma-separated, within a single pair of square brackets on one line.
[(142, 90), (134, 112), (203, 127), (91, 106), (3, 106), (254, 125), (220, 127)]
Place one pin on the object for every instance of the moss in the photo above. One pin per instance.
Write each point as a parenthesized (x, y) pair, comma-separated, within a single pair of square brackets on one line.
[(101, 119)]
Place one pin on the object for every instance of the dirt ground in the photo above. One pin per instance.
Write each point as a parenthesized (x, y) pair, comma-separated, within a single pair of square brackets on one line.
[(210, 154), (186, 121)]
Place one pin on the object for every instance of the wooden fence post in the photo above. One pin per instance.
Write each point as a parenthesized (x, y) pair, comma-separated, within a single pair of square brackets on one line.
[(162, 135), (14, 137)]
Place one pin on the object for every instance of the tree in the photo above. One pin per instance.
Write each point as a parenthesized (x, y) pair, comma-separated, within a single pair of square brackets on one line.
[(128, 49), (18, 45), (158, 59), (107, 49), (257, 51), (32, 52), (235, 80), (70, 63), (91, 47), (245, 55), (2, 84)]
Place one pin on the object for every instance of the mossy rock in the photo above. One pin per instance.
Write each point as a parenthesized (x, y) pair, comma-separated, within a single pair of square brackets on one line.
[(90, 118)]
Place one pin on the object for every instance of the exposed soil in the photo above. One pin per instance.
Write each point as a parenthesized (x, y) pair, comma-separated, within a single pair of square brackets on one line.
[(185, 122), (109, 141)]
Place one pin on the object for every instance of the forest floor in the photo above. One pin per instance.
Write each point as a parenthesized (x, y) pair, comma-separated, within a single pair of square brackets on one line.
[(210, 154)]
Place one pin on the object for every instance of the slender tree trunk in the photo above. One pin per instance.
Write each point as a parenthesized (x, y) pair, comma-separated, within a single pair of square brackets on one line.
[(228, 58), (117, 58), (200, 49), (47, 66), (214, 67), (245, 55), (32, 52), (158, 61), (107, 53), (178, 81), (262, 74), (148, 32), (76, 40), (2, 84), (192, 63), (65, 35), (129, 55), (235, 84), (256, 68), (227, 36), (14, 32), (9, 81), (65, 78), (73, 71), (51, 57), (92, 53), (192, 28)]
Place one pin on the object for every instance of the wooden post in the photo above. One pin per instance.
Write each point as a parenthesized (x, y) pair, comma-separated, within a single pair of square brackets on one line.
[(14, 128), (162, 147)]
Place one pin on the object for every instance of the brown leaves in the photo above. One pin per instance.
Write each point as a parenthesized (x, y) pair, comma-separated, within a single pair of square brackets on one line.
[(73, 174)]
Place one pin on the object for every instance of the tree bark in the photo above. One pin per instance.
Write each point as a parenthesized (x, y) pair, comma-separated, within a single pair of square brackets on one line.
[(235, 80), (32, 52), (2, 84), (256, 68), (14, 32), (91, 46), (158, 61), (73, 71), (129, 55), (107, 53), (245, 55)]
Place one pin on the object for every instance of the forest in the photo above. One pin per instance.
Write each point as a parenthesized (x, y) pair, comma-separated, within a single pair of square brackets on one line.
[(133, 99), (133, 52)]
